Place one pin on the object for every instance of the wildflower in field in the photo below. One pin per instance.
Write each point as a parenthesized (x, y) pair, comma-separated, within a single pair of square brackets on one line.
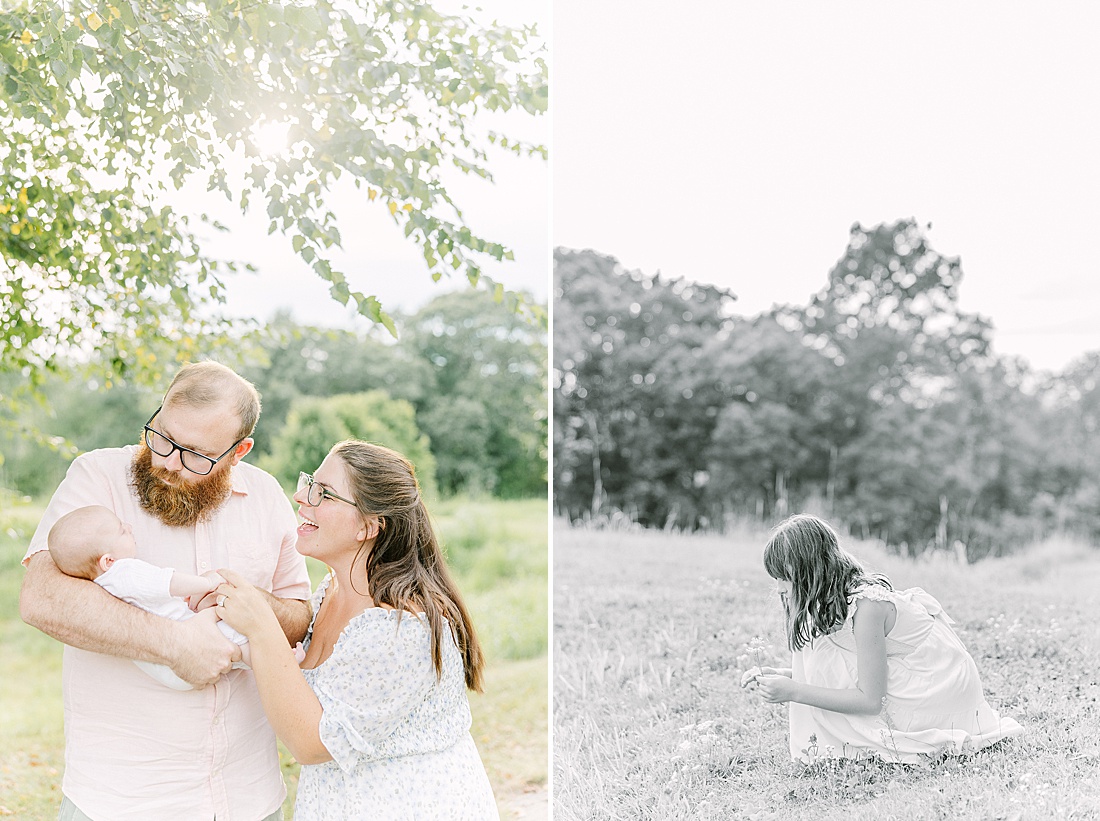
[(810, 751), (757, 648)]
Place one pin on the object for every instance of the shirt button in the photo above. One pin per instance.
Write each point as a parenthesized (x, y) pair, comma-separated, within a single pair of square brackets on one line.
[(202, 564), (215, 719)]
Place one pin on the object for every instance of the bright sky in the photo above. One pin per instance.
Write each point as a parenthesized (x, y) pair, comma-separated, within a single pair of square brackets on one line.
[(377, 259), (736, 142)]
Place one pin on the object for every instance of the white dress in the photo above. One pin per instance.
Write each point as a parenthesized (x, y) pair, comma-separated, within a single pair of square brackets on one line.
[(399, 738), (934, 702)]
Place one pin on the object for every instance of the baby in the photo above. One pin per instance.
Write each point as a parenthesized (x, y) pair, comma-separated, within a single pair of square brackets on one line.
[(92, 543)]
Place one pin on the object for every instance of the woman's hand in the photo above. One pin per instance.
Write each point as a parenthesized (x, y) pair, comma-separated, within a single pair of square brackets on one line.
[(198, 603), (242, 606), (776, 689)]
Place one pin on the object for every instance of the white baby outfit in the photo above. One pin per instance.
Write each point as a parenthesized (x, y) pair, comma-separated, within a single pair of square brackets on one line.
[(146, 586)]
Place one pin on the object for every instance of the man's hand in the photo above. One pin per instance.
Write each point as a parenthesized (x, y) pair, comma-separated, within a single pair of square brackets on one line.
[(200, 652)]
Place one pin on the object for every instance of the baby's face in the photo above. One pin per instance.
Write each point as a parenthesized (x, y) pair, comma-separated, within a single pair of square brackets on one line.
[(118, 539)]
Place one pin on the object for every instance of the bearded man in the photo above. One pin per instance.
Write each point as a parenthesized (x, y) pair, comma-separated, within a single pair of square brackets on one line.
[(135, 749)]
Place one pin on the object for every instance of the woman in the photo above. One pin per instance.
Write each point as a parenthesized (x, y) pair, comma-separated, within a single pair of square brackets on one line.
[(377, 715)]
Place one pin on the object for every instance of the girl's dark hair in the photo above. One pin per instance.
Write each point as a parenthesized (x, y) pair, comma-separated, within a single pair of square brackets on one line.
[(804, 551), (405, 567)]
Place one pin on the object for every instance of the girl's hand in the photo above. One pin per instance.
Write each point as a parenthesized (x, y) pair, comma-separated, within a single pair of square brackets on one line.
[(242, 606), (776, 689), (750, 676)]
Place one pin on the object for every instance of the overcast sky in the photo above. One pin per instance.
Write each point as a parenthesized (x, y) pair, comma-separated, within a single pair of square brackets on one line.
[(377, 259), (736, 143)]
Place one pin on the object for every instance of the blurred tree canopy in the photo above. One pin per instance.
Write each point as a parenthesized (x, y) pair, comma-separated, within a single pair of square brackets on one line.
[(879, 403), (488, 368), (104, 106), (473, 370), (630, 395), (315, 424), (462, 392)]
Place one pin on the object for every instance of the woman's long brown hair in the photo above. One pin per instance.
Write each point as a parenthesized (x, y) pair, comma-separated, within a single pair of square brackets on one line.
[(406, 566), (804, 551)]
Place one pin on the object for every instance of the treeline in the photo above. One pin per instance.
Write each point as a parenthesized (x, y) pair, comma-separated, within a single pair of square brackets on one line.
[(879, 404), (461, 392)]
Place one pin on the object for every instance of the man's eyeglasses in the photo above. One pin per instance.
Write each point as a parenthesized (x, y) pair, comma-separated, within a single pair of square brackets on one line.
[(194, 461), (317, 492)]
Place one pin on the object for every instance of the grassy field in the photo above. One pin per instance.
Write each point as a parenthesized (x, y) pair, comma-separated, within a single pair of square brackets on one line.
[(650, 634), (499, 552)]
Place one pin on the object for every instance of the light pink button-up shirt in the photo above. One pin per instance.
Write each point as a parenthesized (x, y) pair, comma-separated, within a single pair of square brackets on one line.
[(134, 749)]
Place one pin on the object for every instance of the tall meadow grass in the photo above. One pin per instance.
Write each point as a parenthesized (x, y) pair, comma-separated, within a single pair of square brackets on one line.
[(653, 629)]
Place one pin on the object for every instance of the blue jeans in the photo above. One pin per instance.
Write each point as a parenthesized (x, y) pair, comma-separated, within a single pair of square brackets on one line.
[(70, 812)]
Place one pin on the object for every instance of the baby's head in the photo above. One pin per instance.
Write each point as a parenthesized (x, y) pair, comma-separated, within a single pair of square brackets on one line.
[(88, 540)]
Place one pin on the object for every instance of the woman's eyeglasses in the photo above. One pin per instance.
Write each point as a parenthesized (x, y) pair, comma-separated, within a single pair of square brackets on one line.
[(317, 492)]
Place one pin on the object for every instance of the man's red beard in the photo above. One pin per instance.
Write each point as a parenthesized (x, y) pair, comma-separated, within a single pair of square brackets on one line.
[(176, 502)]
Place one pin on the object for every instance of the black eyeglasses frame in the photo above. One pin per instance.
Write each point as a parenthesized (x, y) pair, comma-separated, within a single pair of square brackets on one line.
[(175, 446)]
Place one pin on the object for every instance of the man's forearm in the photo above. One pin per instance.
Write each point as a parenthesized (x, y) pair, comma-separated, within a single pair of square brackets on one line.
[(293, 616), (82, 614)]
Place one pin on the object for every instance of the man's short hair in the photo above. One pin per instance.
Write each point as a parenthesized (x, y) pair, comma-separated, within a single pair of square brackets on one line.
[(200, 384)]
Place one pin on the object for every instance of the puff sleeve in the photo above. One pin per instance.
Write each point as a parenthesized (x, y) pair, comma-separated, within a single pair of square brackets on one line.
[(383, 673)]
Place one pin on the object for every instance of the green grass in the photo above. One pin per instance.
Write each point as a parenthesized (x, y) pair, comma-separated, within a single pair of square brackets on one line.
[(499, 553), (650, 721), (31, 738)]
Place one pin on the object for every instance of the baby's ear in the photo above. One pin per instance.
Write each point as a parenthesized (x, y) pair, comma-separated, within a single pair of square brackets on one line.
[(105, 561)]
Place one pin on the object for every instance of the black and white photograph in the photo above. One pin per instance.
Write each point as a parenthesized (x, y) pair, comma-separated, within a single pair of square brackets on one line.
[(826, 387)]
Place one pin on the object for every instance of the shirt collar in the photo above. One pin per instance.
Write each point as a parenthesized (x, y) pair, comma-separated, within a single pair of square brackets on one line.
[(239, 485)]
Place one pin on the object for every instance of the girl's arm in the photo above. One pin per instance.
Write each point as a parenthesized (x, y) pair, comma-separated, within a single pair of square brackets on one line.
[(864, 699), (289, 701), (750, 676)]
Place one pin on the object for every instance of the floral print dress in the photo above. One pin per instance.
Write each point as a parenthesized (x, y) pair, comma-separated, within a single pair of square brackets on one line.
[(934, 702), (399, 738)]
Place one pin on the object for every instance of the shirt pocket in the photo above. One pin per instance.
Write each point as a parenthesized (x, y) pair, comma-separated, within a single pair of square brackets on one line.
[(253, 560)]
